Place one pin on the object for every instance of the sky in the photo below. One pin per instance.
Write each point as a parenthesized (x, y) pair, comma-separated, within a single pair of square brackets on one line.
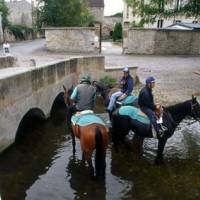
[(112, 7)]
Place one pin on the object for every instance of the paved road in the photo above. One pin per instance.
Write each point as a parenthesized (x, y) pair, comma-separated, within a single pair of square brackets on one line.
[(175, 74)]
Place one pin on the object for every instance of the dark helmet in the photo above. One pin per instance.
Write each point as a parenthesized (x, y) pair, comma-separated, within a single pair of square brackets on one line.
[(85, 78)]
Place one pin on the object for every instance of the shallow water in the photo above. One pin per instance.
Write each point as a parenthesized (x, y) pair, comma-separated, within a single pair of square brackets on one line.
[(41, 167)]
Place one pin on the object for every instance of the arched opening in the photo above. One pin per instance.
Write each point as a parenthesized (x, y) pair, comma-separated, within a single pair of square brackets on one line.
[(58, 109), (31, 120)]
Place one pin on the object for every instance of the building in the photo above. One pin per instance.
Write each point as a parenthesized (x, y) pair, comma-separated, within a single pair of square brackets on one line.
[(96, 8), (129, 17), (20, 12), (109, 24)]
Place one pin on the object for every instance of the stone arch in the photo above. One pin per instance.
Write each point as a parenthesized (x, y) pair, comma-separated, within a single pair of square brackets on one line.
[(32, 118), (58, 103)]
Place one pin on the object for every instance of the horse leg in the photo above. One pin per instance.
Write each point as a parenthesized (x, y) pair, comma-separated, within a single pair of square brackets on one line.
[(73, 143), (91, 168), (138, 145), (161, 146)]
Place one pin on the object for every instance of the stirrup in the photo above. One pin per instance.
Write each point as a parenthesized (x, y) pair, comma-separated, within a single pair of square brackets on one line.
[(163, 128)]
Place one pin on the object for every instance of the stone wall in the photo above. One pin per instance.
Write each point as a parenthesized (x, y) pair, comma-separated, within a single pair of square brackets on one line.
[(7, 61), (77, 40), (161, 41), (108, 25)]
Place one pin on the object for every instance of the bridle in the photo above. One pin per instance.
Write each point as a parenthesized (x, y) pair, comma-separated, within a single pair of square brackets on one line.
[(194, 112)]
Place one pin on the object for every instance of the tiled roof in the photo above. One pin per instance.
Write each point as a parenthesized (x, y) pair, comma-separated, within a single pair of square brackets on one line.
[(96, 3)]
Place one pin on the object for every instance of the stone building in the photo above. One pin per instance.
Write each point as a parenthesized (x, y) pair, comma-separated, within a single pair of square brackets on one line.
[(20, 12), (96, 8), (109, 24), (129, 17)]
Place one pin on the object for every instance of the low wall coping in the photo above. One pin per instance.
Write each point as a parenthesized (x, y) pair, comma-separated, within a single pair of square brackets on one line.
[(69, 28), (115, 68), (163, 29)]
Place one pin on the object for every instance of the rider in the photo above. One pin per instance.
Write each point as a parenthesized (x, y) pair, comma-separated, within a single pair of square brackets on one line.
[(127, 84), (83, 97), (147, 105)]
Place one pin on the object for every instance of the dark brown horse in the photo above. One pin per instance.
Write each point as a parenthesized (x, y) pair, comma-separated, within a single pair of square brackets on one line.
[(92, 137)]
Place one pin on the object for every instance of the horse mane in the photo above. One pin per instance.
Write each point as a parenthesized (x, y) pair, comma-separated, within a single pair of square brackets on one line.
[(179, 110)]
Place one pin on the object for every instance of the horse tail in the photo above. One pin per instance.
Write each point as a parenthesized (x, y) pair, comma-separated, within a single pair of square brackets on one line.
[(100, 154)]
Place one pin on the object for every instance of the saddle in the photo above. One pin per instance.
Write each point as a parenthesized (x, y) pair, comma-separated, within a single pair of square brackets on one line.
[(85, 118), (137, 114)]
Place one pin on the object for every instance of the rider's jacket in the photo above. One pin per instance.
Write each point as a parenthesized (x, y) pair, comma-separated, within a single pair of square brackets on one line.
[(127, 84), (145, 99), (84, 94)]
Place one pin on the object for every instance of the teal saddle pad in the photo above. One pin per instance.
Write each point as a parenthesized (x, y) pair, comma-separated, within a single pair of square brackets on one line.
[(87, 119), (129, 100), (134, 113)]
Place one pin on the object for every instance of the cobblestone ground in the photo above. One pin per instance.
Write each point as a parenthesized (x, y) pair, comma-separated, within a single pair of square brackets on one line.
[(175, 75)]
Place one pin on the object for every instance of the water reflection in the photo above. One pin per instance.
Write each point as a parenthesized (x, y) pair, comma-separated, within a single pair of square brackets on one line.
[(42, 167), (81, 183)]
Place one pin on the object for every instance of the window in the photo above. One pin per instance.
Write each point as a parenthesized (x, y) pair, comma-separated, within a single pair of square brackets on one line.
[(160, 23)]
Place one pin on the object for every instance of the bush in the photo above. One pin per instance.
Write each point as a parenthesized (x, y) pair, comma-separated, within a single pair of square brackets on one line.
[(117, 33), (20, 31), (108, 81)]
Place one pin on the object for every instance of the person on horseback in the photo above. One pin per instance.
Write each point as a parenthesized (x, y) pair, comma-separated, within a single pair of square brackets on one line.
[(82, 98), (147, 105), (127, 85)]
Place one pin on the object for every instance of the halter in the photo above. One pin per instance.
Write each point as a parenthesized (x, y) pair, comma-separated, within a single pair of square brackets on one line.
[(193, 113)]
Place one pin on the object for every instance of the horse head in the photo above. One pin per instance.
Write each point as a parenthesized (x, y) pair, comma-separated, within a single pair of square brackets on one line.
[(67, 94), (195, 108)]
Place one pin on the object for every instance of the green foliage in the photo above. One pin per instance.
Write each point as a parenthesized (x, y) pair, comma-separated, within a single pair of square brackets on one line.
[(117, 15), (137, 25), (62, 13), (154, 9), (20, 31), (108, 81), (192, 8), (117, 33), (4, 10)]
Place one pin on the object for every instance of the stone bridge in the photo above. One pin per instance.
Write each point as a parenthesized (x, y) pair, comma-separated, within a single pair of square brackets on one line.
[(33, 91)]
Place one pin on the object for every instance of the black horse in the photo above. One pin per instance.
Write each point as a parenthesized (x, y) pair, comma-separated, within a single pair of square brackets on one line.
[(107, 90), (172, 116)]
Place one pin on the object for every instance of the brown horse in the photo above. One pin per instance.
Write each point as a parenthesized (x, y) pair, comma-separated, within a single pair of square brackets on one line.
[(92, 137)]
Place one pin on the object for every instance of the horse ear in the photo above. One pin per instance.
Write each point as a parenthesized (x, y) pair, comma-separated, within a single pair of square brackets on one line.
[(64, 88), (194, 98)]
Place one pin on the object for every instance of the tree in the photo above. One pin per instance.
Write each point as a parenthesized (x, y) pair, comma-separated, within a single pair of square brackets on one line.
[(4, 10), (63, 13), (153, 9), (191, 8), (117, 33)]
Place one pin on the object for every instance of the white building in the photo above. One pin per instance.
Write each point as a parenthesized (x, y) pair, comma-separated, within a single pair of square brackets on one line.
[(129, 17)]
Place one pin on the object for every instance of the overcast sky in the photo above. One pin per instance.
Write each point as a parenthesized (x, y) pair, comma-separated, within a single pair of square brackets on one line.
[(112, 7)]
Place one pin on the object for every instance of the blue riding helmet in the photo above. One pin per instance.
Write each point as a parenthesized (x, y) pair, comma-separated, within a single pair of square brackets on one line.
[(150, 79)]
